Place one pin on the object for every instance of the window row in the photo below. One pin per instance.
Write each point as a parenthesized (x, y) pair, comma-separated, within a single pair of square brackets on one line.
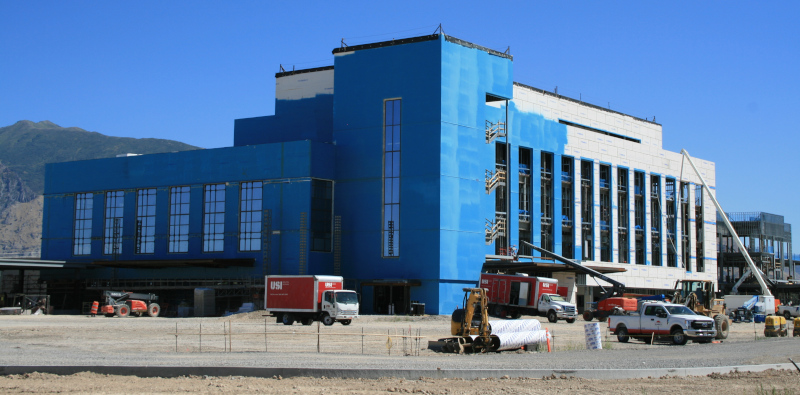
[(663, 219), (250, 213)]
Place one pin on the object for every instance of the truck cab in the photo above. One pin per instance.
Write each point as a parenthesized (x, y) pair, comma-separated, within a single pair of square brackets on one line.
[(555, 307), (340, 305)]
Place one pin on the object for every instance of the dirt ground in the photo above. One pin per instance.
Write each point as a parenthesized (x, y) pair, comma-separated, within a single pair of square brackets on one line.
[(80, 334), (767, 382)]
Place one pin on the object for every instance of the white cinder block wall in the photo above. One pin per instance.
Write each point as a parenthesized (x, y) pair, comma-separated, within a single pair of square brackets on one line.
[(647, 156)]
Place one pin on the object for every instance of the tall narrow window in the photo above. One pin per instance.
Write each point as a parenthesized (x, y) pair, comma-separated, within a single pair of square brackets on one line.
[(321, 215), (639, 217), (213, 218), (685, 230), (699, 225), (605, 213), (391, 178), (587, 210), (623, 214), (567, 208), (250, 216), (179, 219), (82, 236), (672, 222), (655, 219), (112, 240), (145, 221), (547, 200)]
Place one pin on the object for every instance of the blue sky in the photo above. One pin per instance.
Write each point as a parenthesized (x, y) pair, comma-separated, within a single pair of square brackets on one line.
[(721, 77)]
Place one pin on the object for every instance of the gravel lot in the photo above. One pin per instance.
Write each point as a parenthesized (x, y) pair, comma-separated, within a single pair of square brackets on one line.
[(142, 341)]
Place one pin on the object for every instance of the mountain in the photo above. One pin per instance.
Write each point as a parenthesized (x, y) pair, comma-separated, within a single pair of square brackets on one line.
[(12, 189), (21, 229), (26, 146)]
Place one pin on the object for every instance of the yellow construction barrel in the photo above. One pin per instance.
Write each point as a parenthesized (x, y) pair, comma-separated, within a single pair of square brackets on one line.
[(796, 331), (775, 326)]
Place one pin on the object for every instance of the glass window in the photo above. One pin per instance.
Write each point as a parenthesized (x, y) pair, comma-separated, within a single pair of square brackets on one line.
[(112, 237), (179, 219), (391, 178), (82, 235), (213, 218), (321, 215), (145, 221), (250, 213)]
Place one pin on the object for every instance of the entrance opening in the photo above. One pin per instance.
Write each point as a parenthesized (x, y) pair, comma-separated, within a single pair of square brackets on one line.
[(391, 299)]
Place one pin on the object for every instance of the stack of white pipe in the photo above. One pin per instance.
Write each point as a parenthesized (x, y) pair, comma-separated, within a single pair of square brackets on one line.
[(513, 334)]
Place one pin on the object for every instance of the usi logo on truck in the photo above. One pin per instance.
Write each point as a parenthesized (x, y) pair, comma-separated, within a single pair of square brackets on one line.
[(276, 285), (328, 285)]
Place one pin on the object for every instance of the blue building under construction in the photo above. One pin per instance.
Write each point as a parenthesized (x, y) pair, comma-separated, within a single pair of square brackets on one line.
[(405, 167)]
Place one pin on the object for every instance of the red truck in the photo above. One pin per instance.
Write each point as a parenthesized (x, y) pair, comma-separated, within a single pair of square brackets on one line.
[(310, 298), (514, 295)]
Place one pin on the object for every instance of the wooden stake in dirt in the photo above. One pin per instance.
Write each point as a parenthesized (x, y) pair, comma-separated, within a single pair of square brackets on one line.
[(362, 340), (201, 337), (317, 336), (265, 335), (176, 337)]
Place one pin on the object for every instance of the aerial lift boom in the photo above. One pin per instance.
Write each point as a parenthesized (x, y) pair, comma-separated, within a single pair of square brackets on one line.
[(618, 287), (752, 266)]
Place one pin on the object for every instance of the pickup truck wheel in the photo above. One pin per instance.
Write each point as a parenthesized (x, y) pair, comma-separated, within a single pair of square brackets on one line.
[(787, 315), (588, 316), (622, 335), (678, 337), (288, 319), (722, 325), (570, 320), (551, 316), (327, 320), (346, 322)]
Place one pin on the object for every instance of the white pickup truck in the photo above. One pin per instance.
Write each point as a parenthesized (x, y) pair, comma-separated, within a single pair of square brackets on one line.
[(788, 311), (657, 319)]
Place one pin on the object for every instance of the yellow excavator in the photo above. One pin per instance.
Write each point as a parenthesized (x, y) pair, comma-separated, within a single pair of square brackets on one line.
[(470, 325)]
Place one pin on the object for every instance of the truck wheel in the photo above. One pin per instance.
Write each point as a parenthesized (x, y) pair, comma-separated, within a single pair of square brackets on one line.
[(678, 337), (346, 322), (153, 310), (587, 315), (622, 334), (722, 325), (787, 315), (516, 314), (497, 311), (327, 320), (570, 320), (307, 321), (288, 319), (551, 316), (123, 311)]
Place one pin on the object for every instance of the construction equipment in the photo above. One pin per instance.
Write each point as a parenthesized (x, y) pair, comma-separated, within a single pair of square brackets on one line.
[(618, 288), (775, 326), (123, 304), (473, 332), (735, 237), (699, 296), (470, 324)]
